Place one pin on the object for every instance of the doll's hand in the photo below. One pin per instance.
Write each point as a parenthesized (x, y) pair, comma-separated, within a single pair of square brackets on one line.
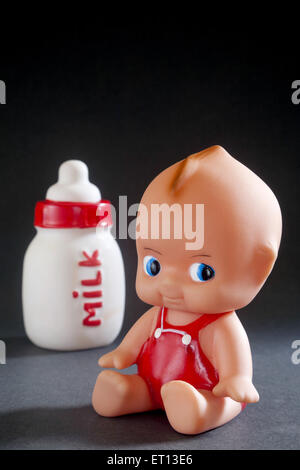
[(117, 359), (238, 387)]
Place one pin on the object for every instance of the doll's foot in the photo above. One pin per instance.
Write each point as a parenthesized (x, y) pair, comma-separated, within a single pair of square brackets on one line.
[(185, 407), (116, 394), (192, 412)]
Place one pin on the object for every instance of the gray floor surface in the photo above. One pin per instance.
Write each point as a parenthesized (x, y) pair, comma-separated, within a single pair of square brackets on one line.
[(45, 403)]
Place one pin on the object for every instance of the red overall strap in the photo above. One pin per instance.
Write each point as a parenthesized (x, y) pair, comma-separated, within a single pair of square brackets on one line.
[(208, 318)]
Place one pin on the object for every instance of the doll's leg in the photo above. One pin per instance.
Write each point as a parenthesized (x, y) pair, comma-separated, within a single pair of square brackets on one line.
[(190, 411), (116, 394)]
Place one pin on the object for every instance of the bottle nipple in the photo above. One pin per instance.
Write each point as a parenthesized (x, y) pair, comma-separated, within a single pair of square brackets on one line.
[(73, 184)]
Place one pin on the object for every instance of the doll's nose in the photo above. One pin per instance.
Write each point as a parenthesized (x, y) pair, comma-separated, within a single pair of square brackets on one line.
[(170, 287)]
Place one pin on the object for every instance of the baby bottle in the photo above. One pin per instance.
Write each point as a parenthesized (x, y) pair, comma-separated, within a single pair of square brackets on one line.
[(73, 273)]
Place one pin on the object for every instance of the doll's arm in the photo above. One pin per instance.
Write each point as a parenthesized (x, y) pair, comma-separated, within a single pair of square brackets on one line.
[(231, 355), (127, 352)]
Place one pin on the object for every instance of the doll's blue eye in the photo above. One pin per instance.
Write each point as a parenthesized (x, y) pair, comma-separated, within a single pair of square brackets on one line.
[(201, 272), (151, 266)]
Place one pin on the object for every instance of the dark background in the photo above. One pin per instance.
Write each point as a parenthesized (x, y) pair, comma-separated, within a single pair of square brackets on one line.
[(130, 102)]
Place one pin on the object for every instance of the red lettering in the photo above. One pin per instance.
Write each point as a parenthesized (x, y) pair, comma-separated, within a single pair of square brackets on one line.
[(90, 309), (90, 260), (94, 293), (93, 282)]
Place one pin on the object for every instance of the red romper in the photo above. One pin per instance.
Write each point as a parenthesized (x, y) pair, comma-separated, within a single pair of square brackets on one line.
[(174, 353)]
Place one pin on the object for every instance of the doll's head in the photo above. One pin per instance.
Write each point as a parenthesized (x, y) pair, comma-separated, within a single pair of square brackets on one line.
[(236, 221)]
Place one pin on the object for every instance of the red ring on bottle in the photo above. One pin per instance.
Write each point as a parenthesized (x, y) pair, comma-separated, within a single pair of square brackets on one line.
[(57, 214)]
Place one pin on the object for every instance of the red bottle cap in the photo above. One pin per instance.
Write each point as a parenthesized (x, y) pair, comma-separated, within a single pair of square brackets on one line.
[(56, 214), (73, 202)]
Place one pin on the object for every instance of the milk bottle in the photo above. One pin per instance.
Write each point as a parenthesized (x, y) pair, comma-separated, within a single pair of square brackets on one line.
[(73, 274)]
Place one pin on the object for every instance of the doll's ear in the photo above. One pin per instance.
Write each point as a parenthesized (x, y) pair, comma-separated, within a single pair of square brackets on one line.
[(265, 257)]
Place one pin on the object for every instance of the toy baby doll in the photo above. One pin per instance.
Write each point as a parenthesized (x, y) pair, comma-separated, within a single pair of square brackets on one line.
[(191, 350)]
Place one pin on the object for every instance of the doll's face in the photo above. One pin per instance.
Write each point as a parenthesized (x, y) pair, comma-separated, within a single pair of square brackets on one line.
[(237, 254), (208, 280), (170, 275)]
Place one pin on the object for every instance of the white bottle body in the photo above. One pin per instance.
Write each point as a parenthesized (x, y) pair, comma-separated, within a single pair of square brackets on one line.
[(59, 293)]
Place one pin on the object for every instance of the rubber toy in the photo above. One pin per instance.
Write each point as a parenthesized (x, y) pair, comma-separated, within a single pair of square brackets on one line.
[(73, 274), (192, 353)]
